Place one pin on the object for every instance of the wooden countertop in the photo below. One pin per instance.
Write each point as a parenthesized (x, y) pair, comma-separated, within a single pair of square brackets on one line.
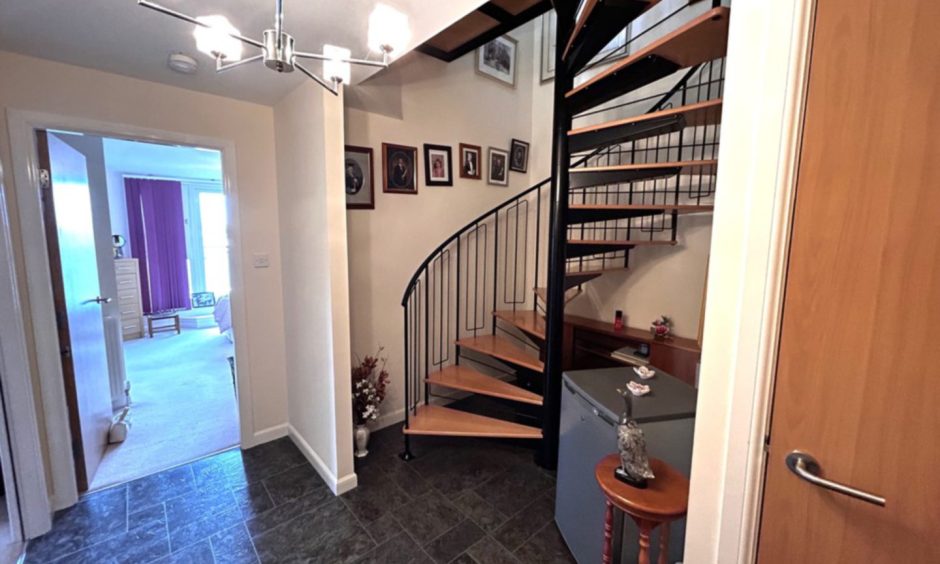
[(632, 333)]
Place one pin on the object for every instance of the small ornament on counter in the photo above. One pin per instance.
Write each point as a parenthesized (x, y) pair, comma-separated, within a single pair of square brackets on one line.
[(634, 467), (644, 372), (661, 327), (636, 389), (618, 320)]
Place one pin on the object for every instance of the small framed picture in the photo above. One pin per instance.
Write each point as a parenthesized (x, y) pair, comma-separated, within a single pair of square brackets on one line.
[(438, 170), (360, 187), (399, 166), (470, 157), (498, 170), (203, 299), (519, 156), (497, 60)]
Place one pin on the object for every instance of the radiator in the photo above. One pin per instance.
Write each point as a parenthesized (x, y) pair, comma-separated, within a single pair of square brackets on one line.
[(114, 343)]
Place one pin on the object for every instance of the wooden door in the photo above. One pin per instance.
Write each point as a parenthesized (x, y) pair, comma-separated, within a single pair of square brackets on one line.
[(858, 372), (66, 200)]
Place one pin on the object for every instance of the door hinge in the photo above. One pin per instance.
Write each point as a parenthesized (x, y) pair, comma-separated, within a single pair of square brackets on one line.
[(767, 443), (44, 176)]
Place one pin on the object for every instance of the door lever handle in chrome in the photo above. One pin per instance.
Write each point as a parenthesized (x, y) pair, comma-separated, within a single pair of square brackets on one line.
[(807, 468), (100, 300)]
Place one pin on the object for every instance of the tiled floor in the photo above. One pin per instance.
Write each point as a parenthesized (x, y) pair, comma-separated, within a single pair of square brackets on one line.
[(461, 500)]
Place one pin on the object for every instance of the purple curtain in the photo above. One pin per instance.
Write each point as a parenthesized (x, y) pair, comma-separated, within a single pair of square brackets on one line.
[(158, 241)]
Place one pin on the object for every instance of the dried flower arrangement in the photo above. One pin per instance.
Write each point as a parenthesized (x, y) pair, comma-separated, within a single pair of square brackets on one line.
[(369, 385)]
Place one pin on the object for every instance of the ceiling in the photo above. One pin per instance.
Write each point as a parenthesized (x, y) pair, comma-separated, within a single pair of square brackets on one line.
[(120, 37), (170, 161)]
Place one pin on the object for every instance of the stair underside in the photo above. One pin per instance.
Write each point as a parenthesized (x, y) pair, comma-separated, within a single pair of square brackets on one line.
[(443, 421), (644, 125), (586, 247), (528, 321), (542, 293), (588, 177), (588, 213), (460, 377), (599, 22), (702, 39), (503, 349)]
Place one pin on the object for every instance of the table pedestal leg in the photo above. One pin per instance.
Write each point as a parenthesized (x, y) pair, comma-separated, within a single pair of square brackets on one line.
[(646, 527), (664, 544), (608, 533)]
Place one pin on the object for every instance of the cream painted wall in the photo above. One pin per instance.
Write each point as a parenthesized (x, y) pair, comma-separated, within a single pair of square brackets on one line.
[(309, 126), (423, 100), (39, 85)]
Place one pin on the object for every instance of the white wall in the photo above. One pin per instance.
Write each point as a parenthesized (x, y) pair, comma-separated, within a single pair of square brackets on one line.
[(424, 100), (40, 85), (311, 198)]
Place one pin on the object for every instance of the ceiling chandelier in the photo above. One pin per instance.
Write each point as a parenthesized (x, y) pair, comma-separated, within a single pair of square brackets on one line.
[(215, 36)]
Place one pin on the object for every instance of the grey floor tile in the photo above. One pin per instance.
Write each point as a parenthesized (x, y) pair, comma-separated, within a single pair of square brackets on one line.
[(481, 511), (547, 546), (515, 488), (428, 517), (488, 551), (160, 487), (95, 518), (383, 528), (199, 553), (399, 549), (233, 546), (283, 513), (374, 497), (526, 523), (454, 542), (198, 504), (203, 527), (148, 516), (143, 544), (253, 499), (331, 534), (294, 483)]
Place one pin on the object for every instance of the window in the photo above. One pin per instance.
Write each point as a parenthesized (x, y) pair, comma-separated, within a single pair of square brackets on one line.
[(214, 234)]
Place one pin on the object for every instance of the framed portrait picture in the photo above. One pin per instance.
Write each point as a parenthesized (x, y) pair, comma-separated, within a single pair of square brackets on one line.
[(360, 185), (470, 158), (438, 170), (519, 156), (547, 67), (399, 169), (497, 60), (498, 169)]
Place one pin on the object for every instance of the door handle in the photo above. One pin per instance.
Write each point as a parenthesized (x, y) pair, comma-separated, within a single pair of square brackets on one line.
[(807, 468), (100, 300)]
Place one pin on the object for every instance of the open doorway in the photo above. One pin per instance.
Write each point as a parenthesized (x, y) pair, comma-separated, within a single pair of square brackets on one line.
[(149, 371)]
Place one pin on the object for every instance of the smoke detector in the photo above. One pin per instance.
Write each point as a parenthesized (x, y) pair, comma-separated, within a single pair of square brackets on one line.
[(182, 63)]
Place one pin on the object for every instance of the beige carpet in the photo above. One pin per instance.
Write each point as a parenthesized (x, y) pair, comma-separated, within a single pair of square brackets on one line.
[(183, 404)]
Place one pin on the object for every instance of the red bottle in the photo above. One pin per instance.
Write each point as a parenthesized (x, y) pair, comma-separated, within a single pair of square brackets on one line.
[(618, 320)]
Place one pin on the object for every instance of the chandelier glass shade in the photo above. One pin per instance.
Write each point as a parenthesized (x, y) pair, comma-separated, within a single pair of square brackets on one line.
[(217, 37)]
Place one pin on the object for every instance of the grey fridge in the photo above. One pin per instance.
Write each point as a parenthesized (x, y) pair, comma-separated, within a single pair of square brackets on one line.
[(590, 409)]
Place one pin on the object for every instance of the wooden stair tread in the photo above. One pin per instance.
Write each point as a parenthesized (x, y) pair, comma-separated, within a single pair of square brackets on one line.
[(702, 39), (460, 377), (681, 208), (683, 165), (700, 113), (596, 26), (502, 349), (620, 243), (443, 421), (527, 321)]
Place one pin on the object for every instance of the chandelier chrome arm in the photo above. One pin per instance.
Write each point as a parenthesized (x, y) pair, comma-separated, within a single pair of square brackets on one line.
[(222, 66), (181, 16), (364, 62), (332, 88)]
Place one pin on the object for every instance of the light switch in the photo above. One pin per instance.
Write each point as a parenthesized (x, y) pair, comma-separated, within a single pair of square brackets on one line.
[(261, 260)]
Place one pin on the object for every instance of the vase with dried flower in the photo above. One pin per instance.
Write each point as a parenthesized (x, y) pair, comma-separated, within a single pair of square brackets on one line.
[(369, 385)]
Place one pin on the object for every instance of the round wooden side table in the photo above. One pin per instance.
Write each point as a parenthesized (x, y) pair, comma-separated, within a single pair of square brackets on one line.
[(664, 500)]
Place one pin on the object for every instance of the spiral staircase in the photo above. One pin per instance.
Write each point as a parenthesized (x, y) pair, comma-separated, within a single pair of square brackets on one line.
[(484, 313)]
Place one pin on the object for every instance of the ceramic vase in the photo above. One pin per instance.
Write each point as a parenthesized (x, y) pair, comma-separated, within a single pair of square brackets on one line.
[(361, 435)]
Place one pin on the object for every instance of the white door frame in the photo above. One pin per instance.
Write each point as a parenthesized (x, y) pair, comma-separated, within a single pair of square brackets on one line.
[(22, 125), (768, 60), (20, 447)]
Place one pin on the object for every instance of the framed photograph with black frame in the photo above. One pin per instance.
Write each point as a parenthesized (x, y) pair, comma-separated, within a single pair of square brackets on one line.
[(518, 156), (470, 158), (399, 169), (497, 60), (360, 178), (498, 170), (438, 168)]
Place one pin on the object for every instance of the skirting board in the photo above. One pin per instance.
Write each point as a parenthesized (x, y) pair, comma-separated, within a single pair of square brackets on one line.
[(338, 486), (266, 435)]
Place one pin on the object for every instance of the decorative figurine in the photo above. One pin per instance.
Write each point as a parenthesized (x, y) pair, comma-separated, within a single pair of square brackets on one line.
[(634, 467), (661, 328)]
